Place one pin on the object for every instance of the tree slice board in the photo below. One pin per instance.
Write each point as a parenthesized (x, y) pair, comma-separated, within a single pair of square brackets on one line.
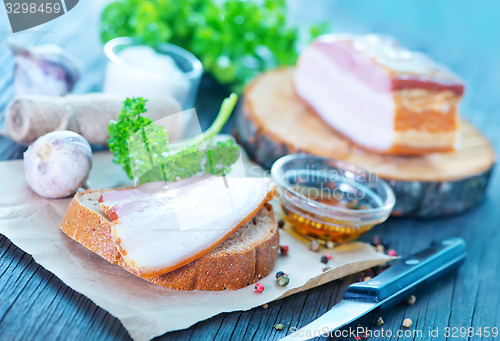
[(274, 122)]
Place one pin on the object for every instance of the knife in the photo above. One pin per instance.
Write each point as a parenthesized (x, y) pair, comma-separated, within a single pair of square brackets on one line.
[(390, 287)]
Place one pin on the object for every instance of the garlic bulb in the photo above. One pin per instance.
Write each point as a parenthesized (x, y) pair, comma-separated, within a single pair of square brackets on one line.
[(45, 70), (57, 164)]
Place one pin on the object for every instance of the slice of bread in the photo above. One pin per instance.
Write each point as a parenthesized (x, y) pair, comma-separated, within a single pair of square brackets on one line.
[(246, 256)]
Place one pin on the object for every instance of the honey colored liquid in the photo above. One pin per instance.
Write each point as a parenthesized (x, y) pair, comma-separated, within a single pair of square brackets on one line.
[(334, 230), (322, 228)]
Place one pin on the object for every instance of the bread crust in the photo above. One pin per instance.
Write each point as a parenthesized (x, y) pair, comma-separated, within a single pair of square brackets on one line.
[(217, 270)]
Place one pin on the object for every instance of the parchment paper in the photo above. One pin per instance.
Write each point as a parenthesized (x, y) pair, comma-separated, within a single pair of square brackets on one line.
[(147, 310)]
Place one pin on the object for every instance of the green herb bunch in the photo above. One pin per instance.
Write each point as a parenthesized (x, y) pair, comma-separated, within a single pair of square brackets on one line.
[(234, 39), (142, 147)]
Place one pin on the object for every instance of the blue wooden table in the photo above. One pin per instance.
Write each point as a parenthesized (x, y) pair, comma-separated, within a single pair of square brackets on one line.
[(36, 305)]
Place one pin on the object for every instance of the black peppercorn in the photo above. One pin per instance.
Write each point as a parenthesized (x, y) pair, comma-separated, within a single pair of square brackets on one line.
[(283, 280), (376, 240)]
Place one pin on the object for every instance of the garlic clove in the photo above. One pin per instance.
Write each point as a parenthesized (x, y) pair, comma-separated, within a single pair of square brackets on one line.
[(43, 70)]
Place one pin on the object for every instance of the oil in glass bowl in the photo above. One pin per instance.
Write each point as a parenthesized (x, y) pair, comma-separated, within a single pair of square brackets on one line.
[(330, 200)]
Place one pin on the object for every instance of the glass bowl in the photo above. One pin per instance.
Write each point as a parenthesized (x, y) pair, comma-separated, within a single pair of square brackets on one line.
[(137, 78), (330, 200)]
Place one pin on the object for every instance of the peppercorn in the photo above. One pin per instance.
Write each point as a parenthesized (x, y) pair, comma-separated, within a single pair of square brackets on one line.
[(259, 287), (392, 253), (369, 272), (330, 244), (354, 204), (279, 274), (407, 323), (265, 306), (326, 268), (376, 240), (381, 268), (314, 246), (380, 321), (284, 250), (367, 278), (362, 337), (283, 280), (324, 259), (328, 256), (281, 223), (279, 326), (380, 248), (411, 300)]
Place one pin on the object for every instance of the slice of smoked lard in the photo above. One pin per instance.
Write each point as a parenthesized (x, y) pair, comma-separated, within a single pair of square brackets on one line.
[(159, 231), (380, 95)]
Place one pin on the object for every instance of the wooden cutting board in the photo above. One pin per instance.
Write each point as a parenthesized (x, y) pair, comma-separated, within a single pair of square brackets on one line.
[(274, 122)]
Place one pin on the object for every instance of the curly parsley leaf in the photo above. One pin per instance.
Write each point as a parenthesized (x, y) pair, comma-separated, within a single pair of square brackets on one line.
[(142, 147), (220, 157), (130, 121)]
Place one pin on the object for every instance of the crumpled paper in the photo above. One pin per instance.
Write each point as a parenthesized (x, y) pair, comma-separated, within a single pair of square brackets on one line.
[(146, 310)]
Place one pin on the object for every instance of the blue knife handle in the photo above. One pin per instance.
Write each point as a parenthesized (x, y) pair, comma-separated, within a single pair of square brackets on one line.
[(410, 272)]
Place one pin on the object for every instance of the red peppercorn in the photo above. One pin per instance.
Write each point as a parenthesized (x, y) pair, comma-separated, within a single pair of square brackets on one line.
[(284, 250), (392, 253), (259, 287), (328, 256)]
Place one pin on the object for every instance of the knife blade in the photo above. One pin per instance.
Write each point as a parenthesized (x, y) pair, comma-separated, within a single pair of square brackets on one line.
[(395, 284)]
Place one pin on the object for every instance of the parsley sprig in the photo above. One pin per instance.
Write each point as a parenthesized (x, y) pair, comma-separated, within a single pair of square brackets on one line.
[(142, 147), (235, 39)]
